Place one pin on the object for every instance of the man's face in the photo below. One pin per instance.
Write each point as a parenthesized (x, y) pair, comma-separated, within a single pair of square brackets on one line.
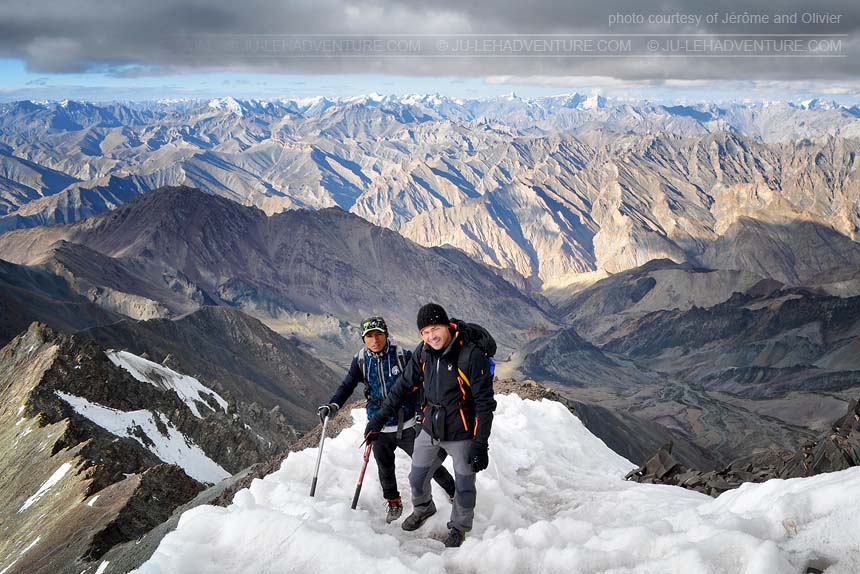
[(437, 336), (375, 340)]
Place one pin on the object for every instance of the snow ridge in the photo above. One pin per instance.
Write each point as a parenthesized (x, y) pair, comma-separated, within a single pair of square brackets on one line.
[(553, 500), (172, 447), (190, 390)]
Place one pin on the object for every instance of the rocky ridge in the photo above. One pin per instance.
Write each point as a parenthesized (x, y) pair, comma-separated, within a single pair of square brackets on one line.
[(834, 451), (308, 275), (85, 447)]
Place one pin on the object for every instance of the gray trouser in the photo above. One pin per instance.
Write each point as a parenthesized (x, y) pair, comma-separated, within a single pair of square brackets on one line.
[(383, 452), (425, 461)]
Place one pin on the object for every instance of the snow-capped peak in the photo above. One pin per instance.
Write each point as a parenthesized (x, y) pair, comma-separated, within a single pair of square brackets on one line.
[(425, 99), (818, 104), (593, 102), (372, 99), (229, 104)]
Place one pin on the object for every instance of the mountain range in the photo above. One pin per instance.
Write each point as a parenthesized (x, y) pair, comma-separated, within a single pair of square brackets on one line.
[(313, 274), (550, 188), (183, 265)]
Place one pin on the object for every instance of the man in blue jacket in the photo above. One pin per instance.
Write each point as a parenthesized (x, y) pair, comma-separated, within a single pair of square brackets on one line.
[(452, 371), (378, 365)]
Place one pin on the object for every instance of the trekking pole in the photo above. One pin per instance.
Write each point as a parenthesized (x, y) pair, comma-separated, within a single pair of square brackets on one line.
[(319, 457), (361, 476)]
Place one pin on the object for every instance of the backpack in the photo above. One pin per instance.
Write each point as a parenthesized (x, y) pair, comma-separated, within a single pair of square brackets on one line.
[(481, 338)]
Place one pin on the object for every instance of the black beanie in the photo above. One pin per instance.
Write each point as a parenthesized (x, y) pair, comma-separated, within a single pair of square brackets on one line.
[(432, 314)]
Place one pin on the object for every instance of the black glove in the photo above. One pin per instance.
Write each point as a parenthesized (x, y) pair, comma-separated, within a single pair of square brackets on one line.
[(371, 431), (329, 410), (478, 457)]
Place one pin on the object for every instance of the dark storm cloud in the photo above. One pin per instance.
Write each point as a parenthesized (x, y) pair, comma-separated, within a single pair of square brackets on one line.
[(443, 38)]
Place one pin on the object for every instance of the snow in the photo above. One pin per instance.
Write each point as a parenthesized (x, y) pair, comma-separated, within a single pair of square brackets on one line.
[(54, 479), (593, 102), (20, 554), (552, 500), (306, 101), (229, 104), (818, 104), (30, 546), (102, 567), (93, 500), (189, 389), (174, 448)]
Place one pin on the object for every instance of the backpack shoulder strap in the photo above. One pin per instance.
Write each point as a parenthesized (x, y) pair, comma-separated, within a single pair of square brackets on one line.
[(420, 352), (463, 358), (362, 366), (401, 358), (359, 357)]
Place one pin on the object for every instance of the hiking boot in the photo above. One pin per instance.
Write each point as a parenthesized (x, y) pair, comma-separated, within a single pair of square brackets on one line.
[(394, 508), (455, 538), (415, 521)]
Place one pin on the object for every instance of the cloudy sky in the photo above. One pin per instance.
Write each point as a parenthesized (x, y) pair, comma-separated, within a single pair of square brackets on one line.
[(681, 49)]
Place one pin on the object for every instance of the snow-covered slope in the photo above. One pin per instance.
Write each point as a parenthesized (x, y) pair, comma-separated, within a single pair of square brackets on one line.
[(552, 500), (160, 437), (190, 390)]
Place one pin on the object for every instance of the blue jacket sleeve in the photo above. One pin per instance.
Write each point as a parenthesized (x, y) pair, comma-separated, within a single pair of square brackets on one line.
[(346, 388)]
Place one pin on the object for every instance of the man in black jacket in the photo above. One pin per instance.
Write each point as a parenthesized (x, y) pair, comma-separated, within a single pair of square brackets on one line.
[(455, 380)]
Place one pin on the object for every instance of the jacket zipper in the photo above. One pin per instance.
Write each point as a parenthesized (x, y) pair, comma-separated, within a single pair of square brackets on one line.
[(381, 376), (438, 399)]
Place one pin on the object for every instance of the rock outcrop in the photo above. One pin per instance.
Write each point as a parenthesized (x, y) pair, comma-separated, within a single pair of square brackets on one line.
[(837, 450)]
